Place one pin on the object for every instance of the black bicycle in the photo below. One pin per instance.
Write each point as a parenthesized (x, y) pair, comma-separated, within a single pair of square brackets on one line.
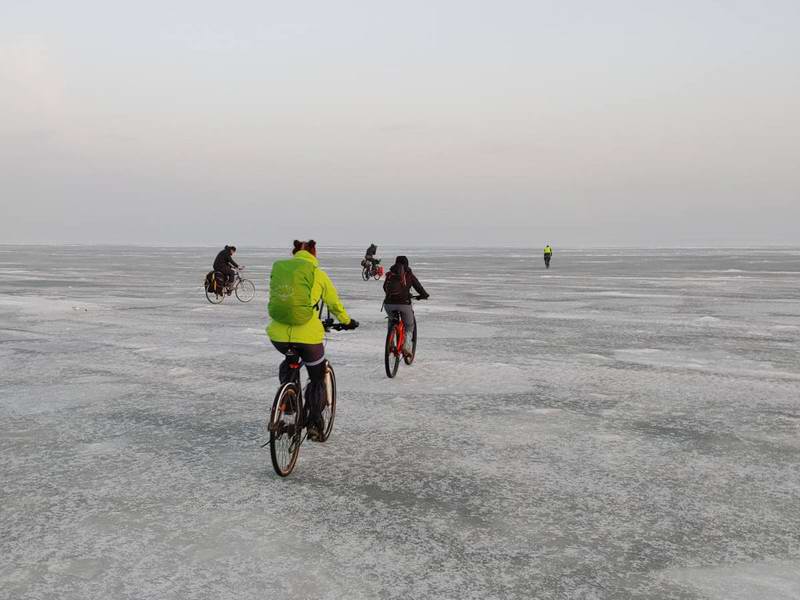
[(290, 415), (216, 290), (395, 342)]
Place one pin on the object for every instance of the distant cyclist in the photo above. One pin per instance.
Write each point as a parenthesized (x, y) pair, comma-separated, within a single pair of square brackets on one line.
[(399, 281), (370, 261), (548, 254), (298, 287), (225, 264)]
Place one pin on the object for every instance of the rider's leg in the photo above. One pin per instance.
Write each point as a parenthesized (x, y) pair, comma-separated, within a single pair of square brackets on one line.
[(313, 356), (407, 315), (284, 373), (229, 277)]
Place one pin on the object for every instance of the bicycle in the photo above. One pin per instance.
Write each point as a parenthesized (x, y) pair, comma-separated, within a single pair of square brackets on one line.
[(395, 342), (288, 417), (371, 269), (216, 290)]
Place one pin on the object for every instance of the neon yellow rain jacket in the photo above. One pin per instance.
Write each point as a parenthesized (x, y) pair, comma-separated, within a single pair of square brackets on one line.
[(311, 332)]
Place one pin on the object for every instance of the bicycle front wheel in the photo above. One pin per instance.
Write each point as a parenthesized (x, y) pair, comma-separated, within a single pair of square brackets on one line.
[(245, 290), (391, 353), (329, 409), (364, 274), (285, 427), (410, 359)]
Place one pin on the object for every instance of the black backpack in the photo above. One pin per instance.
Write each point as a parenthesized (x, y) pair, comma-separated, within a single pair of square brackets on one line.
[(396, 287)]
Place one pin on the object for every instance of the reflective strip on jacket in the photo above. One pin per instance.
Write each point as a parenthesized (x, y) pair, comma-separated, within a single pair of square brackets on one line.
[(311, 332)]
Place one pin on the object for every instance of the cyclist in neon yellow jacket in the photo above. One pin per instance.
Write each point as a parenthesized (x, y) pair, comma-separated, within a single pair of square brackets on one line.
[(311, 332), (306, 338)]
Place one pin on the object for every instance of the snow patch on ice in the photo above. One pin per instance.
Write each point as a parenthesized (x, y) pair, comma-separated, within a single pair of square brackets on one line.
[(718, 362), (707, 320), (40, 305), (179, 372), (593, 356), (546, 411), (609, 438), (785, 328), (778, 580), (456, 330)]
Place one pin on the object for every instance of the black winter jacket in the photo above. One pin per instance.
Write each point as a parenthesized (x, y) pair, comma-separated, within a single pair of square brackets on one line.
[(398, 284), (224, 259)]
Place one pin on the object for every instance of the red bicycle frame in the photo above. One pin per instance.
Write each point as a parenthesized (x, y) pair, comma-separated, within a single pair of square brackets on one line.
[(400, 330)]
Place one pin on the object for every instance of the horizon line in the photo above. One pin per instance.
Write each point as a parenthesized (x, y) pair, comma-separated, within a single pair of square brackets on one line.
[(720, 246)]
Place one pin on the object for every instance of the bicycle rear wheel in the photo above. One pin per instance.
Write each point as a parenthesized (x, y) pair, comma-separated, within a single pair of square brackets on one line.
[(410, 359), (211, 293), (391, 353), (245, 290), (329, 410), (285, 428)]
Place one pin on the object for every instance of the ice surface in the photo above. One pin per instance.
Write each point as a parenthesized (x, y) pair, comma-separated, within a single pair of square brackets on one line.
[(624, 425)]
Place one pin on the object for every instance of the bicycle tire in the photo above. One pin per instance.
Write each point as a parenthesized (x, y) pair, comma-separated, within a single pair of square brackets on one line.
[(364, 274), (285, 430), (329, 412), (391, 359), (248, 290), (211, 294), (410, 359), (376, 275)]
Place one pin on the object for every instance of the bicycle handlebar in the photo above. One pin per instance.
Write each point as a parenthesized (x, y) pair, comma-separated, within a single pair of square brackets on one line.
[(328, 324)]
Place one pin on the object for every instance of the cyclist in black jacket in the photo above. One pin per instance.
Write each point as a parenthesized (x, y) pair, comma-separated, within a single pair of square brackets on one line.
[(370, 262), (225, 264), (399, 281)]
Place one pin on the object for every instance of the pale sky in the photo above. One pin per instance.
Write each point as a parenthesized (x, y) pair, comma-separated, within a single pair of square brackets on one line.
[(454, 122)]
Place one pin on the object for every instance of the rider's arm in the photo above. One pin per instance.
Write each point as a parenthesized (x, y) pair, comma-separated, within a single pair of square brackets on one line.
[(233, 262), (418, 286), (331, 297)]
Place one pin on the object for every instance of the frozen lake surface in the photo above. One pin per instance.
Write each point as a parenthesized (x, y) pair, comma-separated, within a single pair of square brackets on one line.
[(624, 425)]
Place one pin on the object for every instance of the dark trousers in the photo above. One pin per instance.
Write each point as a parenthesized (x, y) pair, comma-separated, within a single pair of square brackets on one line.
[(227, 274), (313, 356)]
